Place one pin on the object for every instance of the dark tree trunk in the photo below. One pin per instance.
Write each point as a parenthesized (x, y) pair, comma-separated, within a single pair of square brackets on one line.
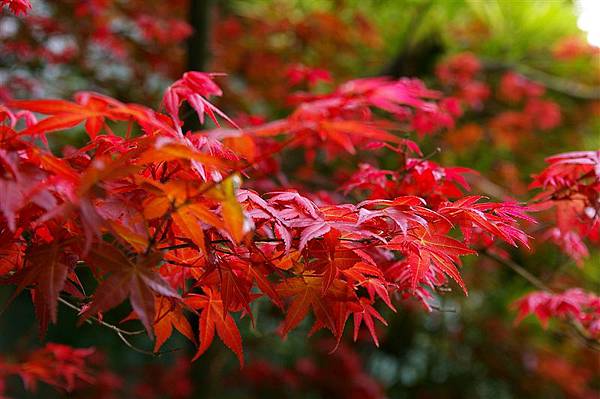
[(198, 44), (198, 49), (415, 58), (415, 61)]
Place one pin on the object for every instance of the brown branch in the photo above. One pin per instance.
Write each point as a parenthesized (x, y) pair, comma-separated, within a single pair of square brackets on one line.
[(120, 332), (520, 270), (97, 320), (257, 240), (555, 83)]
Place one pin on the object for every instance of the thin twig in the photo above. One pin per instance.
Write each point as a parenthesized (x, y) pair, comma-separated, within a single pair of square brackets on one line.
[(556, 83), (442, 310), (258, 240), (520, 270), (97, 320), (576, 328), (119, 331), (135, 348)]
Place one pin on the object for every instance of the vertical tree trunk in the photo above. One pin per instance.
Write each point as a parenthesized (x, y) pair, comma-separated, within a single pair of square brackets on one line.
[(198, 46), (199, 43), (415, 58), (415, 61)]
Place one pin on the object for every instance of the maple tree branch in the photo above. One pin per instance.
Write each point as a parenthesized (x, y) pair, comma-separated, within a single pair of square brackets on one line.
[(119, 331), (240, 169), (495, 190), (580, 333), (443, 310), (178, 246), (520, 270), (143, 351), (576, 327), (258, 240), (157, 232), (556, 83), (133, 347), (97, 320), (223, 251)]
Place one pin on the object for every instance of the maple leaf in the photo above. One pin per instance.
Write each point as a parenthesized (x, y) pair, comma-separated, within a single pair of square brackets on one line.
[(573, 303), (188, 213), (234, 285), (566, 169), (366, 316), (194, 87), (161, 149), (331, 256), (214, 318), (257, 273), (56, 364), (18, 7), (169, 315), (127, 278), (361, 271), (189, 225), (65, 115), (407, 213), (46, 269), (343, 132), (300, 212), (429, 250), (496, 219), (307, 294), (569, 241), (138, 241), (22, 184)]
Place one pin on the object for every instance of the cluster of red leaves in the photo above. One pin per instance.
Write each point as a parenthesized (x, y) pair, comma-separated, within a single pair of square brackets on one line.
[(537, 113), (18, 7), (342, 120), (573, 304), (141, 46), (267, 49), (575, 377), (461, 74), (55, 364), (299, 73), (573, 47), (172, 381), (160, 219), (163, 32), (571, 186), (515, 88), (82, 373), (419, 177), (320, 374)]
